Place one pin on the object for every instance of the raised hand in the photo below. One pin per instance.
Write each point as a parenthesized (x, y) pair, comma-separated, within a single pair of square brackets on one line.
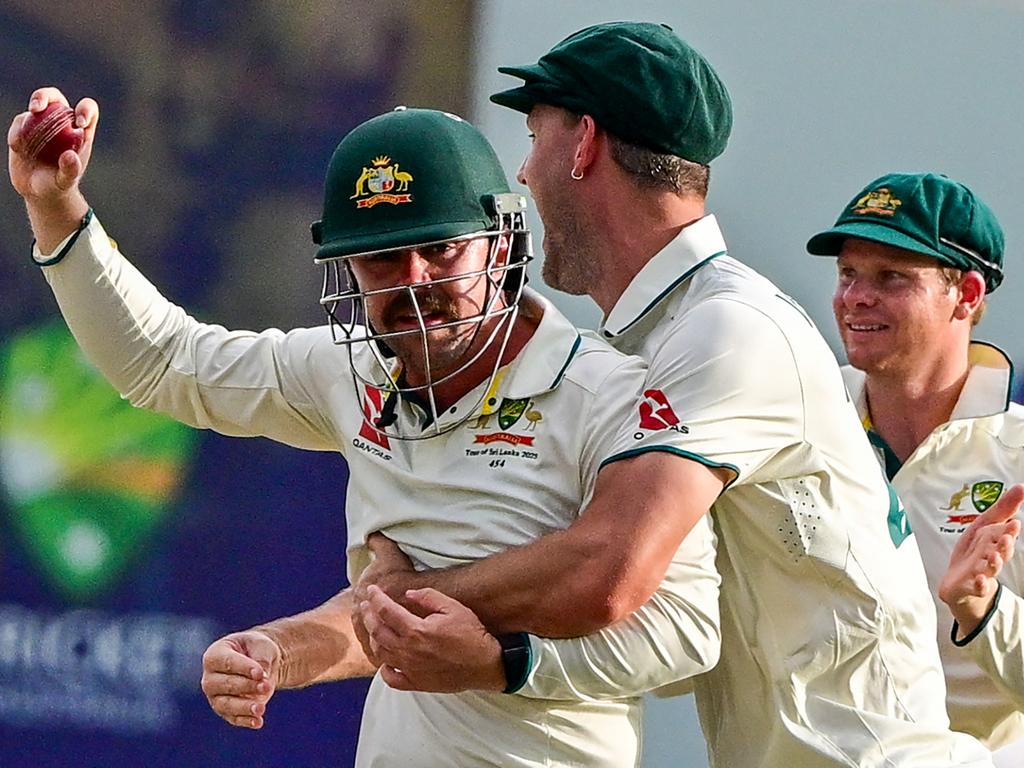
[(240, 673), (52, 196), (970, 582)]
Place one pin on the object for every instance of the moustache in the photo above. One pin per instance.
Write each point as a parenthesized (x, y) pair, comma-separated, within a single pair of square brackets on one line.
[(405, 305)]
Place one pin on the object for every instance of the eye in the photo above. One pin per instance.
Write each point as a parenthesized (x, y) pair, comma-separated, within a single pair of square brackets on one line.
[(892, 276), (440, 249)]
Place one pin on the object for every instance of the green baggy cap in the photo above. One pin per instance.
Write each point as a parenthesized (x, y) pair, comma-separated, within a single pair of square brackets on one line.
[(926, 213), (407, 178), (639, 81)]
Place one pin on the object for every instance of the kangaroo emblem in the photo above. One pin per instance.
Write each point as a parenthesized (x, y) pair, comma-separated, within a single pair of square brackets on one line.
[(361, 183), (957, 498)]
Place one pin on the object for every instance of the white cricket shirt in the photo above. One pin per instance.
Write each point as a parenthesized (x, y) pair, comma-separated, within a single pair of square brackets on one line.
[(959, 470), (828, 630), (521, 467)]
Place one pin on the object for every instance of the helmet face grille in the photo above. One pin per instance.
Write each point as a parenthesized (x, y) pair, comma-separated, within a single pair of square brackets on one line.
[(372, 359)]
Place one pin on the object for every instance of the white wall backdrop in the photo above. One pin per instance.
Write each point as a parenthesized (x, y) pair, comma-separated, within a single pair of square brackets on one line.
[(827, 96)]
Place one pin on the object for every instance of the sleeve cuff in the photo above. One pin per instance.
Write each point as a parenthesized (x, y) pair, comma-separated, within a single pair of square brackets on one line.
[(42, 260), (981, 625)]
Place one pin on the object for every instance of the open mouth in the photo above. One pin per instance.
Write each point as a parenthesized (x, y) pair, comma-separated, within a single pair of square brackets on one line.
[(403, 322)]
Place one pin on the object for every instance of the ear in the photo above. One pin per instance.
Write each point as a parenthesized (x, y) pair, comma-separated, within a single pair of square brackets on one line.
[(586, 144), (970, 294)]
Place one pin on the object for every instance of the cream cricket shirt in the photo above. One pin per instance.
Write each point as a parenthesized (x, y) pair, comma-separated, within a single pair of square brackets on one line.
[(958, 471), (521, 467), (828, 631)]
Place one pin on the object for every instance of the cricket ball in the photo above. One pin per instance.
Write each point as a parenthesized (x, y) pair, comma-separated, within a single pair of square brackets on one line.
[(50, 133)]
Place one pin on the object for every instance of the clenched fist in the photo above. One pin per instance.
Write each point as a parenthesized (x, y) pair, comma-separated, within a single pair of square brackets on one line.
[(240, 674)]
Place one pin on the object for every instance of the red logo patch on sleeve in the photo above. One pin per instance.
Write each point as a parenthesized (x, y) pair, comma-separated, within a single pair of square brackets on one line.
[(656, 412)]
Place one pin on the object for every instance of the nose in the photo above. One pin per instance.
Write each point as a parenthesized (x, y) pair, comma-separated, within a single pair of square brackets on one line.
[(857, 293), (414, 268), (521, 173)]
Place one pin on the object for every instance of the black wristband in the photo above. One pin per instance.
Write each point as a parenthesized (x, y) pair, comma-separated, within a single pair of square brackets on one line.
[(67, 247), (516, 659)]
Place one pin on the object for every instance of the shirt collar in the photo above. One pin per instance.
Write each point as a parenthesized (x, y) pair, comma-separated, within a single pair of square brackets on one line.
[(987, 389), (693, 247), (985, 393)]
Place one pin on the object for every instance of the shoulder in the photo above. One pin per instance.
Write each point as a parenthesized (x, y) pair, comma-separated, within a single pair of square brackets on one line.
[(596, 364), (1007, 427)]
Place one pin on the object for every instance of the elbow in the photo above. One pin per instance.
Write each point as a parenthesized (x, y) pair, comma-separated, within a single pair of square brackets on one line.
[(600, 599)]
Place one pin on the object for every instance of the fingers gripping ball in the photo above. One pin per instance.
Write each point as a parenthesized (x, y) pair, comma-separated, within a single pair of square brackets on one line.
[(50, 133)]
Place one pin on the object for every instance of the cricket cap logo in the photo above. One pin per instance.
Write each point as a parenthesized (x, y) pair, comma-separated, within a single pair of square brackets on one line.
[(656, 412), (879, 201), (378, 183)]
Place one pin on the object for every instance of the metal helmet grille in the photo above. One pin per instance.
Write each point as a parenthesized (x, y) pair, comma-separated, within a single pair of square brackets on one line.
[(344, 302)]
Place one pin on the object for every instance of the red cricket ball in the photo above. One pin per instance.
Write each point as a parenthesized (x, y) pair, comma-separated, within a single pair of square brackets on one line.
[(50, 133)]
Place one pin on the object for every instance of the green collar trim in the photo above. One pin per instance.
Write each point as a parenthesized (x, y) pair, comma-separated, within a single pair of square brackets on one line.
[(892, 462), (657, 299), (568, 359)]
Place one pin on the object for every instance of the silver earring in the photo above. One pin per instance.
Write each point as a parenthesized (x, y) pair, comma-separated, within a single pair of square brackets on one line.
[(576, 175)]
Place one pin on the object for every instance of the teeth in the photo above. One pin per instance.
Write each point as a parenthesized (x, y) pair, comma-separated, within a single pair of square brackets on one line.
[(861, 327)]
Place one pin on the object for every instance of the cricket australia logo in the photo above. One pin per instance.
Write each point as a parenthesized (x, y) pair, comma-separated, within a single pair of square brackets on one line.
[(656, 414), (985, 494), (879, 201), (380, 182)]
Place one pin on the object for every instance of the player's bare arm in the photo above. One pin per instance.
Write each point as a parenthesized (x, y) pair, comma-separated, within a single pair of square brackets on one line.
[(970, 583), (52, 197), (241, 671), (596, 572)]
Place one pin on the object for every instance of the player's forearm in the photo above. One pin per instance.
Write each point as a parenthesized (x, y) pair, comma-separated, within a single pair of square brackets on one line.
[(160, 358), (556, 586), (604, 566), (675, 635), (319, 645), (52, 220)]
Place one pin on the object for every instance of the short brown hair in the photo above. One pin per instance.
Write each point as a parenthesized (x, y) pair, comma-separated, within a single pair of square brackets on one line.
[(654, 170)]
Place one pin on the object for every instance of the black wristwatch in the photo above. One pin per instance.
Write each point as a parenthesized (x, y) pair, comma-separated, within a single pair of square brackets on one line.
[(516, 659)]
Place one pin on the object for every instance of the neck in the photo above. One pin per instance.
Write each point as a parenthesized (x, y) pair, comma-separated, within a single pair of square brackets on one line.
[(905, 409), (630, 227)]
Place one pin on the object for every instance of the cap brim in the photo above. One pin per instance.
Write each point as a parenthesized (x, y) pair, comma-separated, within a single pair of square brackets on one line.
[(398, 239), (830, 242), (538, 88), (522, 99)]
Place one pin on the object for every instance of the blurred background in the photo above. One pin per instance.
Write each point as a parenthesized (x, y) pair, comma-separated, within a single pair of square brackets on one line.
[(128, 543)]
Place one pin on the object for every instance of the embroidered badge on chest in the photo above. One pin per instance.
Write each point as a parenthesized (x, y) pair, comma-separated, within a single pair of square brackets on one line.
[(504, 444)]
